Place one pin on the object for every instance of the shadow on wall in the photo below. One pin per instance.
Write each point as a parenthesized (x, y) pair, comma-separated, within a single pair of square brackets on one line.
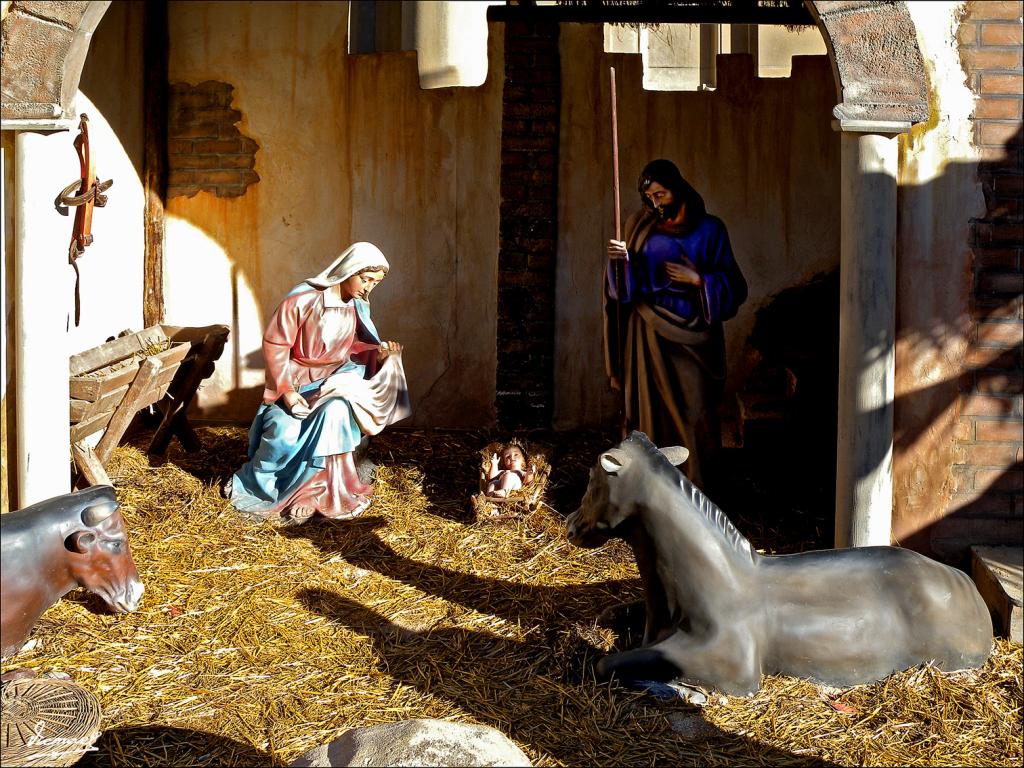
[(949, 308), (785, 469), (957, 333), (984, 396)]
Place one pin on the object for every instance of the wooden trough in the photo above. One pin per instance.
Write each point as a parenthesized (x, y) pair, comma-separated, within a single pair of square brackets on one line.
[(522, 501), (160, 366)]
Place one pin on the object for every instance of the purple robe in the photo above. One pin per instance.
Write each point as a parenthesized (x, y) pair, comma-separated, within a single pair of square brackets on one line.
[(707, 247), (664, 342)]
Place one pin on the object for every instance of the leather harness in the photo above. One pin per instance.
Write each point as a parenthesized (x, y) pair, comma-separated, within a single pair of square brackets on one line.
[(89, 193)]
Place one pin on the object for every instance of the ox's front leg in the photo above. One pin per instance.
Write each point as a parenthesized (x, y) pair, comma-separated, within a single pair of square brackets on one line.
[(727, 662)]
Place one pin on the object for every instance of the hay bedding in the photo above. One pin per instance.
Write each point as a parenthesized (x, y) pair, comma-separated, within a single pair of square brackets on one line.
[(255, 643)]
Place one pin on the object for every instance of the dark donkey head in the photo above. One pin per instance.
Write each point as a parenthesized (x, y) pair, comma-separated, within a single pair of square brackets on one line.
[(99, 558), (614, 487)]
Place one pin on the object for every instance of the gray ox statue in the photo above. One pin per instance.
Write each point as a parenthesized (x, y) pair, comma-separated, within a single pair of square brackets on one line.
[(49, 548), (719, 615)]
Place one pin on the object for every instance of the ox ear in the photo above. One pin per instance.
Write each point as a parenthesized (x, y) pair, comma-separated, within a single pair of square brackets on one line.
[(614, 461), (676, 454), (81, 542), (97, 513)]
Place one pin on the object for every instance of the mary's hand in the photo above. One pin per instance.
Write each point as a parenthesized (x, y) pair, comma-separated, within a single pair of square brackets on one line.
[(389, 348), (296, 404)]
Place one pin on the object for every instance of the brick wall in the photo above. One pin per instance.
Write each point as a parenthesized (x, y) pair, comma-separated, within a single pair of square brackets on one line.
[(205, 150), (529, 220), (990, 476)]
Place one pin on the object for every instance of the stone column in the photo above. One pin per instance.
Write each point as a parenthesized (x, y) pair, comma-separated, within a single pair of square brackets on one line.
[(42, 301), (6, 460), (866, 340)]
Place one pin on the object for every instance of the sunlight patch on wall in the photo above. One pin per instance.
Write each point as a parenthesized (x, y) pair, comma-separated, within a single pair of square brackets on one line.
[(450, 38), (203, 287), (111, 268), (951, 98), (683, 57)]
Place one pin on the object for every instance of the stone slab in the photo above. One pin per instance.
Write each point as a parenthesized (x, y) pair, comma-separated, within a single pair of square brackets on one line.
[(423, 742), (999, 574)]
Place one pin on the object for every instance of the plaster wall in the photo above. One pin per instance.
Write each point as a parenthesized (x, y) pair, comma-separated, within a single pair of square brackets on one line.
[(938, 195), (776, 47), (350, 148), (110, 93), (761, 152)]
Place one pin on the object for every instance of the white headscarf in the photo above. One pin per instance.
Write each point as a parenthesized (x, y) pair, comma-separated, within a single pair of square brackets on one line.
[(352, 260)]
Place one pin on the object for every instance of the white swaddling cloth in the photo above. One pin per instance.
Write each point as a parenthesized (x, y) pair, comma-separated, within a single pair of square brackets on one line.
[(376, 402)]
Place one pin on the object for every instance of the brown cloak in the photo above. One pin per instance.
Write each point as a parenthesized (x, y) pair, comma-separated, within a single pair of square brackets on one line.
[(670, 371)]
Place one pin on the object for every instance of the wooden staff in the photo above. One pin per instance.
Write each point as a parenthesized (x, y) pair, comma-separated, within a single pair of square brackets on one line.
[(615, 158), (617, 267)]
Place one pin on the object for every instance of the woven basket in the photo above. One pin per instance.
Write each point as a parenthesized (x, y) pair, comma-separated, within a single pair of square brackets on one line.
[(47, 722), (521, 501)]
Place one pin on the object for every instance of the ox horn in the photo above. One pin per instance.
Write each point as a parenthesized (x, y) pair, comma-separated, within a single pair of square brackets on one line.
[(98, 513), (676, 454)]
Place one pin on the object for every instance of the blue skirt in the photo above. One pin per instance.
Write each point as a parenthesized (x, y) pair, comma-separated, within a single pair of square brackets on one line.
[(285, 452)]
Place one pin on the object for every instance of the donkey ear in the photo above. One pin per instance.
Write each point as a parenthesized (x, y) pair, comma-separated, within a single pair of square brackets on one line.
[(676, 454), (614, 461)]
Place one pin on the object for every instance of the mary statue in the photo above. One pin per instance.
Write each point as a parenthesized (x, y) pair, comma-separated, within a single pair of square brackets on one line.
[(330, 380)]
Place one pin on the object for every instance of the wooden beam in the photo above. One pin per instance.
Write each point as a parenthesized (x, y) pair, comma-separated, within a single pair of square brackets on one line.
[(129, 406), (89, 466), (194, 368), (154, 172), (790, 12)]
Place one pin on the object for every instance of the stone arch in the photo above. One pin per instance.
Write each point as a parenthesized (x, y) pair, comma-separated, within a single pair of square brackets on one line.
[(44, 45), (878, 67)]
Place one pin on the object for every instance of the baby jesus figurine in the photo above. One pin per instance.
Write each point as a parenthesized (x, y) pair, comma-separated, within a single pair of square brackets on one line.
[(508, 473)]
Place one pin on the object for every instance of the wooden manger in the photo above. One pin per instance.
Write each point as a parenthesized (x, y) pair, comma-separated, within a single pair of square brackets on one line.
[(160, 366), (522, 501)]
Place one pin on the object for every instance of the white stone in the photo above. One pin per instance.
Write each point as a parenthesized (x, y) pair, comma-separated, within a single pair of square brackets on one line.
[(417, 743)]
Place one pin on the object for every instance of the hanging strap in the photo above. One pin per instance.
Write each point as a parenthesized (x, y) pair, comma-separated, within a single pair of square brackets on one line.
[(89, 193)]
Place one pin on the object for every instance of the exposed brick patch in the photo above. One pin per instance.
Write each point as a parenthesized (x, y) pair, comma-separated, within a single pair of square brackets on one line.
[(529, 212), (990, 446), (205, 150)]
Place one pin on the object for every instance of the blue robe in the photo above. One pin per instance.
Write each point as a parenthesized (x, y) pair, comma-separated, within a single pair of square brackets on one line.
[(285, 453)]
